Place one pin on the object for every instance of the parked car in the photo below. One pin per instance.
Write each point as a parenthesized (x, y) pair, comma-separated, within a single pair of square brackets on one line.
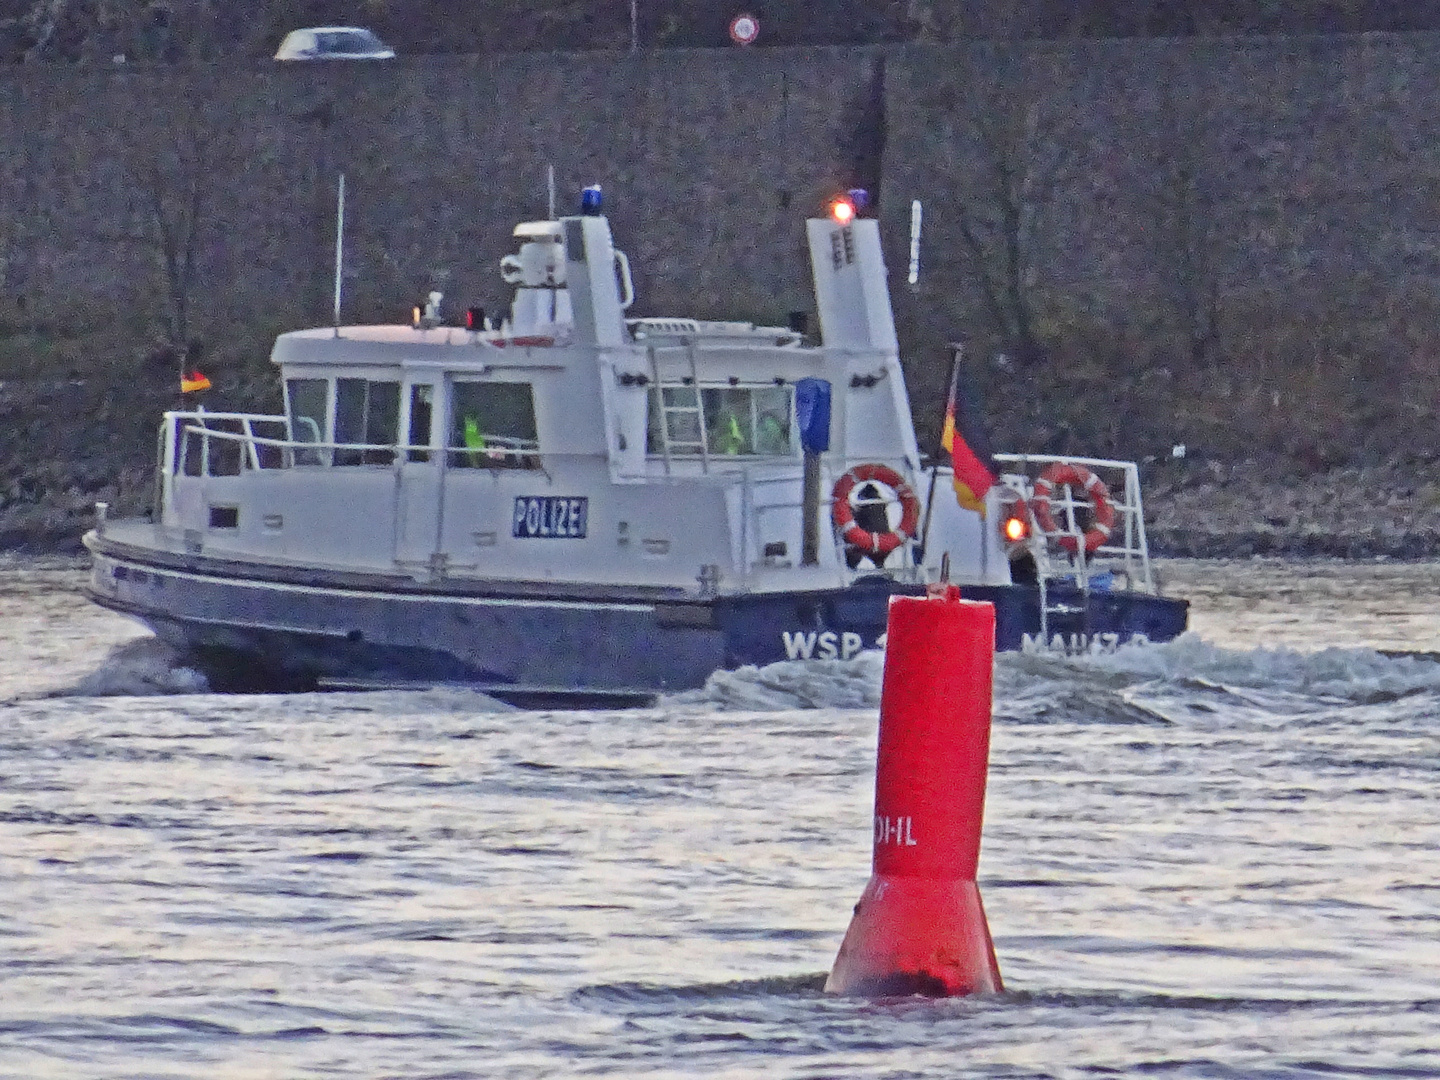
[(333, 43)]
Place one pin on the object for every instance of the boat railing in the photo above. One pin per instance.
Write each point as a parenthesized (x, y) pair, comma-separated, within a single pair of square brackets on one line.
[(1124, 554), (227, 444)]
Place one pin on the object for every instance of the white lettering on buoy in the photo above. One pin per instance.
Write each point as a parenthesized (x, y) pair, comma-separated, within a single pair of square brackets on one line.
[(850, 644), (894, 830)]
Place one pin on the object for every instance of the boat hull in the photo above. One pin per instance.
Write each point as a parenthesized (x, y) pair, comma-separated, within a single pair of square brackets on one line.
[(262, 627)]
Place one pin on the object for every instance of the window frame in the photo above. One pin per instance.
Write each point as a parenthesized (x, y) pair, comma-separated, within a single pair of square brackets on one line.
[(367, 450), (321, 455), (654, 416), (523, 456)]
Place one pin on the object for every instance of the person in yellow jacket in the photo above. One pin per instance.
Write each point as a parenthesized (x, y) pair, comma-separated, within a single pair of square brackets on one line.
[(727, 437), (474, 440)]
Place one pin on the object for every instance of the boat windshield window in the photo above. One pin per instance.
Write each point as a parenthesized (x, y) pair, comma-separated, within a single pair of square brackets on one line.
[(492, 426), (309, 401), (367, 421), (737, 420)]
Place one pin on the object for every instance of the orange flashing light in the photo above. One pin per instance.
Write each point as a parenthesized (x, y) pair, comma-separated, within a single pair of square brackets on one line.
[(843, 211), (1016, 529)]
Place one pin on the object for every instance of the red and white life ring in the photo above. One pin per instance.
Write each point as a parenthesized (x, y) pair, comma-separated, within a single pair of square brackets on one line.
[(1102, 510), (843, 514)]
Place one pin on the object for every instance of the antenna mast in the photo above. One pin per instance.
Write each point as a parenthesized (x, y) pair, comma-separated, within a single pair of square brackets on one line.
[(915, 215), (339, 249)]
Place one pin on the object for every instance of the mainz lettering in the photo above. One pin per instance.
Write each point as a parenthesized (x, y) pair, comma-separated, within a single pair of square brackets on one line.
[(895, 830), (1078, 644), (821, 645), (550, 517)]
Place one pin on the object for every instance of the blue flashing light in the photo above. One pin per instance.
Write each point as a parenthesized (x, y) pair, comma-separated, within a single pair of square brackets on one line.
[(812, 414), (591, 201), (860, 198)]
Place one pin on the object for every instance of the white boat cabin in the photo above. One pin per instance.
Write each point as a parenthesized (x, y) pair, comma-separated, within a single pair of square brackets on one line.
[(571, 443)]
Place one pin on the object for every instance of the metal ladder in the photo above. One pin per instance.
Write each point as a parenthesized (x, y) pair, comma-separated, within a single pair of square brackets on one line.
[(1045, 571), (695, 411)]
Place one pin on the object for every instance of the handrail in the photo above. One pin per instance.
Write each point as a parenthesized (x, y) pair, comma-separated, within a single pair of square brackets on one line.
[(1063, 459), (1130, 546), (495, 444)]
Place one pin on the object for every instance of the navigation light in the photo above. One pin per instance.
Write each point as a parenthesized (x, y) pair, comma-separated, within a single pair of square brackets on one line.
[(843, 211), (1016, 528), (591, 201)]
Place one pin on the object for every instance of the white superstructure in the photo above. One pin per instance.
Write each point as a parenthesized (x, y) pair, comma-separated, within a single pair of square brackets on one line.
[(571, 444)]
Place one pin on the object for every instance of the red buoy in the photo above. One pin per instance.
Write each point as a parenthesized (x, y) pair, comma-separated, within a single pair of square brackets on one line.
[(919, 927)]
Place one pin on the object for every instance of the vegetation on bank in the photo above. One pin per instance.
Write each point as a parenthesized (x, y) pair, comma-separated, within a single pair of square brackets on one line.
[(80, 407)]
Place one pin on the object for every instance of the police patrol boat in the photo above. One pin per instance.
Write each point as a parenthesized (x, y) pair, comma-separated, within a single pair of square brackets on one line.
[(575, 506)]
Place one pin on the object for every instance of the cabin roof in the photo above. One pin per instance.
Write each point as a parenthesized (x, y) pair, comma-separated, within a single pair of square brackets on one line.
[(382, 345)]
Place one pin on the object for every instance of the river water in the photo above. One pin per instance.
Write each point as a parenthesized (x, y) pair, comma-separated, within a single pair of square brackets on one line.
[(1214, 858)]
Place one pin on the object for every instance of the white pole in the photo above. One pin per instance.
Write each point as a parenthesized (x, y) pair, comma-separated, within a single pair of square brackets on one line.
[(634, 25), (550, 188), (339, 249), (914, 242)]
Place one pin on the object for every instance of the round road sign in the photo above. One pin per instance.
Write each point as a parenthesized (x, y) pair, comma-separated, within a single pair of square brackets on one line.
[(744, 29)]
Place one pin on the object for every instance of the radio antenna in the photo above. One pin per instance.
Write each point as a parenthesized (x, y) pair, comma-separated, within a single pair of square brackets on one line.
[(550, 188), (339, 249), (914, 242)]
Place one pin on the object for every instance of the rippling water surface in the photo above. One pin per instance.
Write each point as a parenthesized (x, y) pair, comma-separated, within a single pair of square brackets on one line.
[(1219, 857)]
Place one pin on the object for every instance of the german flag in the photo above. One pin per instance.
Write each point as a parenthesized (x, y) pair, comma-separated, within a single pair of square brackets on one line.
[(192, 381), (962, 437)]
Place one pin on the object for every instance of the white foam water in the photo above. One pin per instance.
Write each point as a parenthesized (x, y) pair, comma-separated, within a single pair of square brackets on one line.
[(1345, 674), (140, 668)]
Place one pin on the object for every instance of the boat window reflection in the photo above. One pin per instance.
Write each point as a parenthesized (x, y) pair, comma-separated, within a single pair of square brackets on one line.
[(737, 421), (309, 408), (367, 421), (492, 426)]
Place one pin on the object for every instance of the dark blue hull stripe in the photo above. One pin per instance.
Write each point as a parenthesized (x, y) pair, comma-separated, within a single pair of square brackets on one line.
[(581, 644)]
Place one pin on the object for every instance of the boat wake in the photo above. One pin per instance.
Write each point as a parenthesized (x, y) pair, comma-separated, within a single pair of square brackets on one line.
[(143, 667), (1145, 683), (1131, 682), (792, 684)]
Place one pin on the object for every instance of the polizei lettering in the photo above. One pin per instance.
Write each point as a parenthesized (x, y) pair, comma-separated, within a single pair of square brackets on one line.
[(550, 517)]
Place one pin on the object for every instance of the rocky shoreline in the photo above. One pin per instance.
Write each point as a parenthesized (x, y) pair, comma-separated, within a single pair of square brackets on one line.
[(1210, 510)]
